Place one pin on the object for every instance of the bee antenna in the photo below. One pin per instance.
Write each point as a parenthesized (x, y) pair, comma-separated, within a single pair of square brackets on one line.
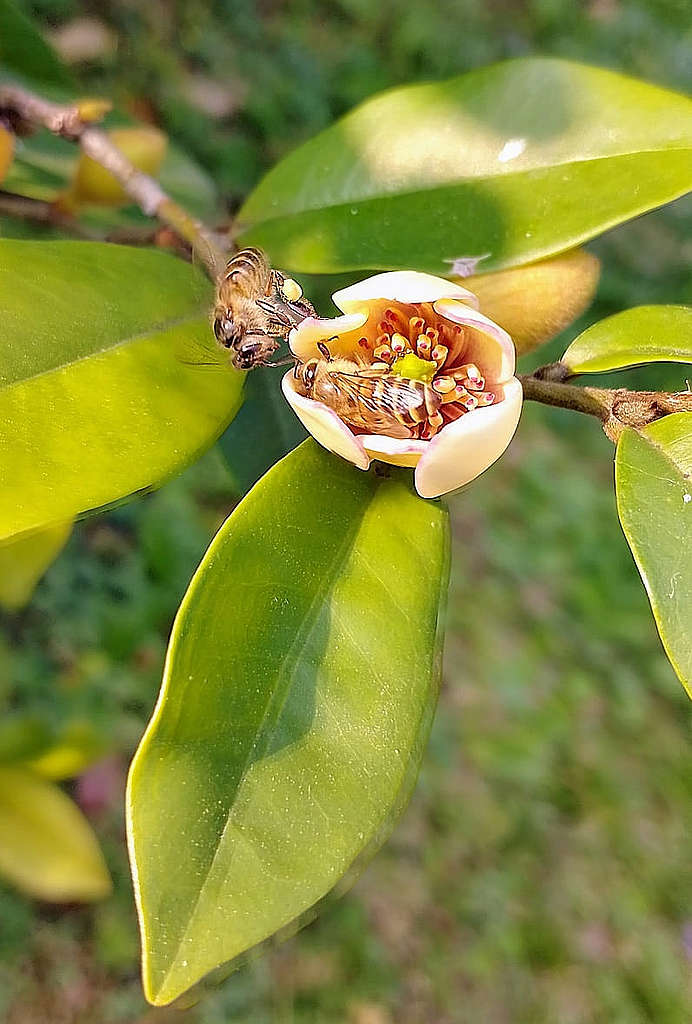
[(296, 369)]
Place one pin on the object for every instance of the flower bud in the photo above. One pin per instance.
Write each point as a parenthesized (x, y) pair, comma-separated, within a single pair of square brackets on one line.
[(535, 302), (144, 146), (6, 151)]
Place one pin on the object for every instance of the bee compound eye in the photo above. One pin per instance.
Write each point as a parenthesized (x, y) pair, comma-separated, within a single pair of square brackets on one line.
[(227, 333)]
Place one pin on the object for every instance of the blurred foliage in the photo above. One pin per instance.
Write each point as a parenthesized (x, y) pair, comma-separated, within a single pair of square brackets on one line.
[(542, 872)]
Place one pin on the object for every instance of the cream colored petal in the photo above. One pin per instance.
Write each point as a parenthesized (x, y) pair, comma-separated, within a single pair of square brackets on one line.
[(467, 447), (400, 286), (460, 313), (303, 339), (396, 451), (324, 425)]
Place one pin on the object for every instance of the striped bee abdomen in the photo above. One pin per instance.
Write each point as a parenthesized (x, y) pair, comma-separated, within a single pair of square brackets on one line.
[(248, 271)]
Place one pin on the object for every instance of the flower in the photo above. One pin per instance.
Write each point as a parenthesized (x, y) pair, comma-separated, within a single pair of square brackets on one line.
[(411, 326)]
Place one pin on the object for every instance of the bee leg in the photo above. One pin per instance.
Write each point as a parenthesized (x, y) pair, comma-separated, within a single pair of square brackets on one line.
[(435, 422), (323, 348), (283, 362)]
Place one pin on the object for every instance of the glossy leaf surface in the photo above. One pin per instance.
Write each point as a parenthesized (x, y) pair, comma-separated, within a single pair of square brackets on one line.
[(264, 430), (519, 161), (101, 393), (653, 475), (47, 848), (299, 687), (23, 561), (644, 334)]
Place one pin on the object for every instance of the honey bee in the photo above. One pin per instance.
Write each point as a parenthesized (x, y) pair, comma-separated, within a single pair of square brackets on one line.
[(372, 399), (255, 305)]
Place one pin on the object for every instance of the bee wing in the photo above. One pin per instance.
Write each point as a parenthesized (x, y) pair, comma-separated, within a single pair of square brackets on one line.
[(387, 399), (211, 259)]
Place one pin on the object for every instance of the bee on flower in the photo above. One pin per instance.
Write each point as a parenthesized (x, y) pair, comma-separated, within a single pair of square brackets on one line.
[(412, 374)]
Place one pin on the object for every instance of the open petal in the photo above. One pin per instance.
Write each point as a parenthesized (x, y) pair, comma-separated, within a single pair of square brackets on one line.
[(467, 447), (396, 451), (303, 339), (400, 286), (324, 425), (460, 313)]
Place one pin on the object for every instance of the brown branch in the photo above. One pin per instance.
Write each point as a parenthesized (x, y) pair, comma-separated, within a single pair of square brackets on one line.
[(616, 408), (23, 111), (592, 401)]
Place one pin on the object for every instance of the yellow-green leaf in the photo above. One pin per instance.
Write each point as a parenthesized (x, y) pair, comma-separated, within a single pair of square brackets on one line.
[(644, 334), (101, 389), (47, 848), (653, 476), (24, 560), (299, 687)]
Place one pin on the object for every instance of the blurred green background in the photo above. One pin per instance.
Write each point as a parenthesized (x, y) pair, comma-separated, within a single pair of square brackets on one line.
[(543, 872)]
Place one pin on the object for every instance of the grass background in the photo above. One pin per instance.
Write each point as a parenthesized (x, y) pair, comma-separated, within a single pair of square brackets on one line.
[(542, 872)]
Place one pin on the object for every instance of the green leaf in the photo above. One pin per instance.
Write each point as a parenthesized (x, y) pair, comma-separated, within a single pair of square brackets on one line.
[(644, 334), (653, 479), (300, 683), (263, 432), (24, 560), (519, 160), (47, 848), (101, 391), (24, 50)]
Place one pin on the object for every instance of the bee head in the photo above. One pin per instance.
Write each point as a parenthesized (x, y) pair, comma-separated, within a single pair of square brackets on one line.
[(252, 351)]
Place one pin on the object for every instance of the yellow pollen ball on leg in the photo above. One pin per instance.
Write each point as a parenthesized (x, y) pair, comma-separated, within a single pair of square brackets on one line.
[(291, 289)]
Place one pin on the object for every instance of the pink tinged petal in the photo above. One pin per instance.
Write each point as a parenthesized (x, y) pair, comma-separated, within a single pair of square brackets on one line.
[(324, 425), (400, 286), (303, 339), (461, 314), (466, 447), (396, 451)]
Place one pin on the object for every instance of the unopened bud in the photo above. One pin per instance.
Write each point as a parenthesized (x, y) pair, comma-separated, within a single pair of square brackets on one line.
[(145, 148), (6, 151)]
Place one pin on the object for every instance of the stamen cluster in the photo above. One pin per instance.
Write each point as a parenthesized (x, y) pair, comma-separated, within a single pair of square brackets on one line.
[(460, 386)]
